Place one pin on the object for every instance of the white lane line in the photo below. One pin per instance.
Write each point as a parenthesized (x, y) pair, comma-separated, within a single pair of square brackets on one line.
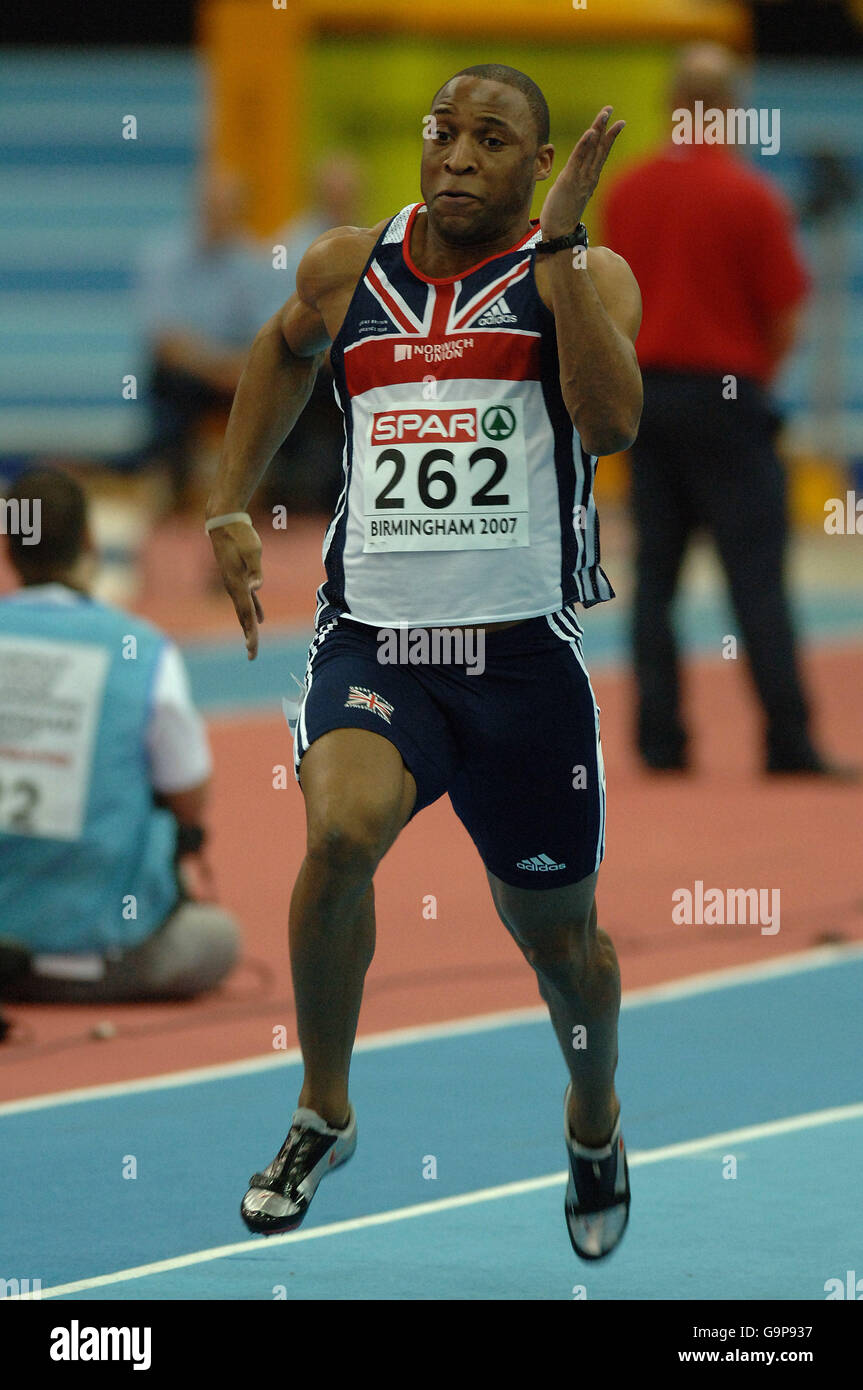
[(747, 1134), (797, 963)]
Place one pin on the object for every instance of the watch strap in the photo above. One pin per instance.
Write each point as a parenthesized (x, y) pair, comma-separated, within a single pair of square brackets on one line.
[(562, 243)]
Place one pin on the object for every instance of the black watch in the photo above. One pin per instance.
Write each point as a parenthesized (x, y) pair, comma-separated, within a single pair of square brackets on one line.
[(561, 243)]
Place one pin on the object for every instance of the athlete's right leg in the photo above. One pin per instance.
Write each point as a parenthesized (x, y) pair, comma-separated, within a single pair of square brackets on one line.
[(358, 795), (371, 749)]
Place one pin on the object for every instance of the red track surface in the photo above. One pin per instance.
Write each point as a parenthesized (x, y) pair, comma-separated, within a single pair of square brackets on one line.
[(725, 825)]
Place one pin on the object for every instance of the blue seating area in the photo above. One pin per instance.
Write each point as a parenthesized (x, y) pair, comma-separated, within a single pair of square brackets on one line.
[(79, 200), (821, 108)]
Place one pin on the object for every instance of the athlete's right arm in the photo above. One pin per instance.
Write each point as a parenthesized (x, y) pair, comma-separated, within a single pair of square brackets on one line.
[(275, 385)]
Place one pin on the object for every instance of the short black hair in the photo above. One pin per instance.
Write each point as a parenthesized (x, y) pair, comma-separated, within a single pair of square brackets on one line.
[(500, 72), (63, 522)]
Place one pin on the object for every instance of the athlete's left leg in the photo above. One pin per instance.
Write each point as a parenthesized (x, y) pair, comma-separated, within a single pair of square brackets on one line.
[(579, 979)]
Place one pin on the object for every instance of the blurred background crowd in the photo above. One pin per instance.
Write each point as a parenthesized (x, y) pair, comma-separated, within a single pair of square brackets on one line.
[(163, 174)]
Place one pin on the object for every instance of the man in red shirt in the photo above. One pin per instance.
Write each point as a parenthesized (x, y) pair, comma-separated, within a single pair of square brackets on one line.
[(711, 244)]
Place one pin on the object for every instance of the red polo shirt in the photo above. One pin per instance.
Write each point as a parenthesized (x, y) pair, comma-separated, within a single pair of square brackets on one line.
[(711, 244)]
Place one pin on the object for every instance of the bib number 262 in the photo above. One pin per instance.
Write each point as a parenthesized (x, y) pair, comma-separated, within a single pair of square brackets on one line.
[(445, 481), (429, 476)]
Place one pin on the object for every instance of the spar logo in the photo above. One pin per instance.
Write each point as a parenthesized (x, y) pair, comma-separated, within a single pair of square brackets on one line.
[(453, 425), (498, 422), (456, 425)]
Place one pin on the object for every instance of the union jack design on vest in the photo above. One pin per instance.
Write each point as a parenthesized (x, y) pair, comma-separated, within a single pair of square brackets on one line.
[(438, 525)]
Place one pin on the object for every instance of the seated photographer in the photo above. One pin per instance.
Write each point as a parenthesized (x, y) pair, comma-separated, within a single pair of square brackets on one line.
[(104, 777)]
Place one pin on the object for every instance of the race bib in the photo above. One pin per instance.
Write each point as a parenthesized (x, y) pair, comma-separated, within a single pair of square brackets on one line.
[(50, 701), (448, 477)]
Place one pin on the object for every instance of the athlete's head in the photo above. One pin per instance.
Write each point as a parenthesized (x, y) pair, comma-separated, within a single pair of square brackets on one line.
[(485, 149), (61, 541)]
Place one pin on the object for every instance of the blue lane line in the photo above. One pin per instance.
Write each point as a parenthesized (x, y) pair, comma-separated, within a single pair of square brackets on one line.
[(775, 1231), (224, 679), (488, 1106)]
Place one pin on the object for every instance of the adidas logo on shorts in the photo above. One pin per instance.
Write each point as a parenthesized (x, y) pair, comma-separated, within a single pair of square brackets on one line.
[(539, 863)]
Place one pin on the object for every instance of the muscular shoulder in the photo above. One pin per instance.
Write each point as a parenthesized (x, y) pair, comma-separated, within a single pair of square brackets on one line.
[(334, 260)]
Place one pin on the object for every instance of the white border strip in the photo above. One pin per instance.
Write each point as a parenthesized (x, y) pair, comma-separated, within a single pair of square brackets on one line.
[(797, 963), (465, 1199)]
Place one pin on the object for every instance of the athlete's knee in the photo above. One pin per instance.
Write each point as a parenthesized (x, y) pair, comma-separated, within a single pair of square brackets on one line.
[(561, 954), (590, 971), (352, 837), (568, 950), (358, 795)]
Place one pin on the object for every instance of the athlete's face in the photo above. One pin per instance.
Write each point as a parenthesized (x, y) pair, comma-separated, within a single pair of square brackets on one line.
[(480, 160)]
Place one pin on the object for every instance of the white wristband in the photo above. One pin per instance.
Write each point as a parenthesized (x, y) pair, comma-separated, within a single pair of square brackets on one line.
[(226, 520)]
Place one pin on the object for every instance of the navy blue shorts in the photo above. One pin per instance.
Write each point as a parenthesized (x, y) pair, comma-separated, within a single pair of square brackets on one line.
[(515, 746)]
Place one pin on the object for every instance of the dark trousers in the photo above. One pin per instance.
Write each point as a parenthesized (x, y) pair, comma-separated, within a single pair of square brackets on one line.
[(306, 474), (704, 462), (178, 402)]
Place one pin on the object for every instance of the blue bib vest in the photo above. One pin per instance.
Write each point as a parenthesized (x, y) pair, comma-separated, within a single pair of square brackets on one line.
[(95, 873)]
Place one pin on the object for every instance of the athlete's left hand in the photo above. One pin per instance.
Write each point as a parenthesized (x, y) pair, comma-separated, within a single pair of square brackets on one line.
[(571, 190)]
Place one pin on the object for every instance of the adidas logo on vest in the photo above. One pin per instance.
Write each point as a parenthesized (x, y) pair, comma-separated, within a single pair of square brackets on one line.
[(498, 313), (539, 863)]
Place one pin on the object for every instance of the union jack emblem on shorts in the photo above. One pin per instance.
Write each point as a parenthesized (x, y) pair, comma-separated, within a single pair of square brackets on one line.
[(360, 698)]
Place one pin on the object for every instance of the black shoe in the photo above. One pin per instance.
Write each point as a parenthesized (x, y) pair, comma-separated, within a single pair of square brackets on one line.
[(658, 762), (14, 962), (597, 1194), (278, 1198), (811, 765)]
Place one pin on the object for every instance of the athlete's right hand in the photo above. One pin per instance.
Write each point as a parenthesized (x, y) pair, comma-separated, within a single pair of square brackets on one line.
[(237, 549)]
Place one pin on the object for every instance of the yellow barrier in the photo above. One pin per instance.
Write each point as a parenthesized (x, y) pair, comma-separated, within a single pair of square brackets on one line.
[(257, 100), (620, 20), (275, 103)]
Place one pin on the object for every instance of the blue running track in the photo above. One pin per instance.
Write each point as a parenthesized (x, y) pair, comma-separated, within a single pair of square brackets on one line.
[(710, 1068)]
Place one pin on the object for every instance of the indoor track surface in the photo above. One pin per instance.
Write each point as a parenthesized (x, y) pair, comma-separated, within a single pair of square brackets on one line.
[(739, 1059)]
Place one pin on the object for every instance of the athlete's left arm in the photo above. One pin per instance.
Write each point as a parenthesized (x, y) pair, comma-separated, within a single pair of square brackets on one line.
[(597, 315), (596, 305)]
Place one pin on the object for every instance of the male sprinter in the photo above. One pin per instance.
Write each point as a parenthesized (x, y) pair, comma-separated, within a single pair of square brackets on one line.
[(482, 363)]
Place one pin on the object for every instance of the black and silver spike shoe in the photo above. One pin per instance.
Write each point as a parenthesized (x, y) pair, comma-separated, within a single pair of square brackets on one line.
[(597, 1194), (279, 1197)]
